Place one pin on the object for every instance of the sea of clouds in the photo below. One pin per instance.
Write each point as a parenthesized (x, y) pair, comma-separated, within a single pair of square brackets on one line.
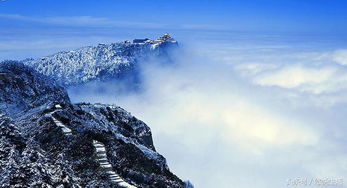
[(243, 115)]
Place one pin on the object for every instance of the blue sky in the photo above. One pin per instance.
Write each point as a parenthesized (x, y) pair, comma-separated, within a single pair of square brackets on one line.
[(264, 15), (34, 28)]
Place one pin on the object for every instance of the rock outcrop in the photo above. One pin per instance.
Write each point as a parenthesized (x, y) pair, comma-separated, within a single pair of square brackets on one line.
[(46, 141)]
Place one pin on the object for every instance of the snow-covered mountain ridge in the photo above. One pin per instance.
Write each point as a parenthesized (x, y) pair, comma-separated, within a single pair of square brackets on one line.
[(104, 61), (46, 141)]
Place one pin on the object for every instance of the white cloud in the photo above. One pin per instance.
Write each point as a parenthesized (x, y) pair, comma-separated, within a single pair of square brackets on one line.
[(250, 69), (251, 124), (340, 56), (212, 125), (293, 76), (83, 21), (313, 79), (109, 22), (204, 121)]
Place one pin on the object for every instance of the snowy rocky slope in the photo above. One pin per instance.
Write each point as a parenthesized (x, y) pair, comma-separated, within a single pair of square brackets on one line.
[(46, 141), (104, 61)]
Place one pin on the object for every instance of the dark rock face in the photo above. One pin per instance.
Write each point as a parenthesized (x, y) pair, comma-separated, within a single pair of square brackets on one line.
[(48, 142)]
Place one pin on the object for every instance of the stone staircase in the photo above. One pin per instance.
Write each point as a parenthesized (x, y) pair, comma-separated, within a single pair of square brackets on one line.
[(67, 131), (103, 161)]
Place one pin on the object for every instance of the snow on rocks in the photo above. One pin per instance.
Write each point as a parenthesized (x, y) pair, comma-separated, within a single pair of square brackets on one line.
[(67, 131), (103, 161), (34, 153), (104, 61)]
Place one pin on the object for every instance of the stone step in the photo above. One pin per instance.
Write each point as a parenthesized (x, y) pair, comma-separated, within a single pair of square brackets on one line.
[(105, 164), (65, 129)]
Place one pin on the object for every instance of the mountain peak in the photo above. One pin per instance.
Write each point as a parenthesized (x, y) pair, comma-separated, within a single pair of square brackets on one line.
[(104, 61)]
